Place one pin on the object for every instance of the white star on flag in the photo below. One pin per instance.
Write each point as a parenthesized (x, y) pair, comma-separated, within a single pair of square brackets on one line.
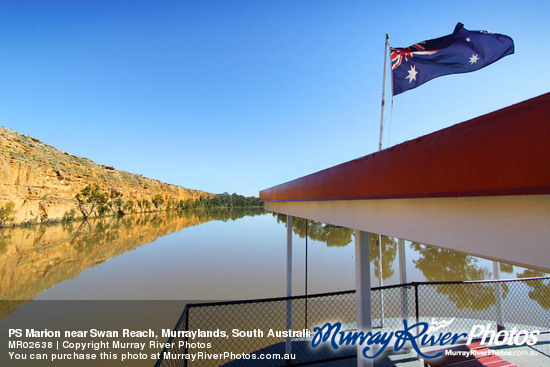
[(468, 39), (474, 59), (412, 74)]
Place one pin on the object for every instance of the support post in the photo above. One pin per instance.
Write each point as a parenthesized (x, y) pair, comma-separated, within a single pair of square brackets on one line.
[(288, 344), (498, 296), (305, 322), (363, 292), (403, 278)]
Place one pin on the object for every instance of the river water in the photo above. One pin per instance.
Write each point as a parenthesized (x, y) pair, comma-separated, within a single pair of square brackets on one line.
[(137, 273), (214, 255)]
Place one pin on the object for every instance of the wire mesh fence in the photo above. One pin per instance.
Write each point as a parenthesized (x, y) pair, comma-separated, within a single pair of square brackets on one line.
[(277, 331)]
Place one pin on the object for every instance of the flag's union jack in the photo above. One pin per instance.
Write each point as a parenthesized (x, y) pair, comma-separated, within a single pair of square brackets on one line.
[(398, 54)]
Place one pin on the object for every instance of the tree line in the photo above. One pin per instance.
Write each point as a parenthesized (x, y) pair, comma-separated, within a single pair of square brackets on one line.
[(92, 200)]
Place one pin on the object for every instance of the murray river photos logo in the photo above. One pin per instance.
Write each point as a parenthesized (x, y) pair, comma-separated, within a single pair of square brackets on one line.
[(417, 336)]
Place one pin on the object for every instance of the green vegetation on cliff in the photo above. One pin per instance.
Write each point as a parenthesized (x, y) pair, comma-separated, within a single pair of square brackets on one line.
[(93, 201), (6, 213)]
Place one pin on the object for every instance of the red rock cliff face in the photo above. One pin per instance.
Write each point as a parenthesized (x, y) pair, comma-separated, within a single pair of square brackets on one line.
[(42, 181)]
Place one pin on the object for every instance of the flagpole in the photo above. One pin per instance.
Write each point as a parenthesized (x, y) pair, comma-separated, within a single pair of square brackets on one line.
[(386, 47)]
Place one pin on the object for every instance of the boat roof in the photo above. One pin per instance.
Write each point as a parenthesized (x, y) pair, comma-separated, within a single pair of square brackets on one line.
[(506, 152)]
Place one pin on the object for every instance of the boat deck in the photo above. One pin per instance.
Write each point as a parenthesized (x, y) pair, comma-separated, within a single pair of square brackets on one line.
[(524, 356)]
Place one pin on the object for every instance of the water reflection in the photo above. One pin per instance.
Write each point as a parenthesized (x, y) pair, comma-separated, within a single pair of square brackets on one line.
[(506, 268), (34, 259), (332, 236), (438, 264), (435, 264), (335, 236), (540, 289), (219, 261), (389, 252)]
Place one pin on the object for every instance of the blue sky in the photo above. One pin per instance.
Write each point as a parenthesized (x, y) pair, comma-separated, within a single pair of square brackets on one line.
[(239, 96)]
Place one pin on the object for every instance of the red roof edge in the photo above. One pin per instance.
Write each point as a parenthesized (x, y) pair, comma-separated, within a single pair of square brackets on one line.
[(506, 152)]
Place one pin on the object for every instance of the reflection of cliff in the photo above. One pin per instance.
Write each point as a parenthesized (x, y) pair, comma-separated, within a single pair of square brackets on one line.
[(440, 265), (35, 259), (42, 181)]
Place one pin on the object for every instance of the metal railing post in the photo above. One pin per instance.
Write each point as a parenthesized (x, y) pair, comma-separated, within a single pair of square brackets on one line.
[(403, 279), (416, 302), (416, 310), (185, 338)]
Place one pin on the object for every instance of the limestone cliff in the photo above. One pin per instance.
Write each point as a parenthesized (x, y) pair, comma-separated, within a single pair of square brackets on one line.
[(42, 181)]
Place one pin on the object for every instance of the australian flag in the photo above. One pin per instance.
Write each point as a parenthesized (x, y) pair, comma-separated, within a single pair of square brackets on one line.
[(460, 52)]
